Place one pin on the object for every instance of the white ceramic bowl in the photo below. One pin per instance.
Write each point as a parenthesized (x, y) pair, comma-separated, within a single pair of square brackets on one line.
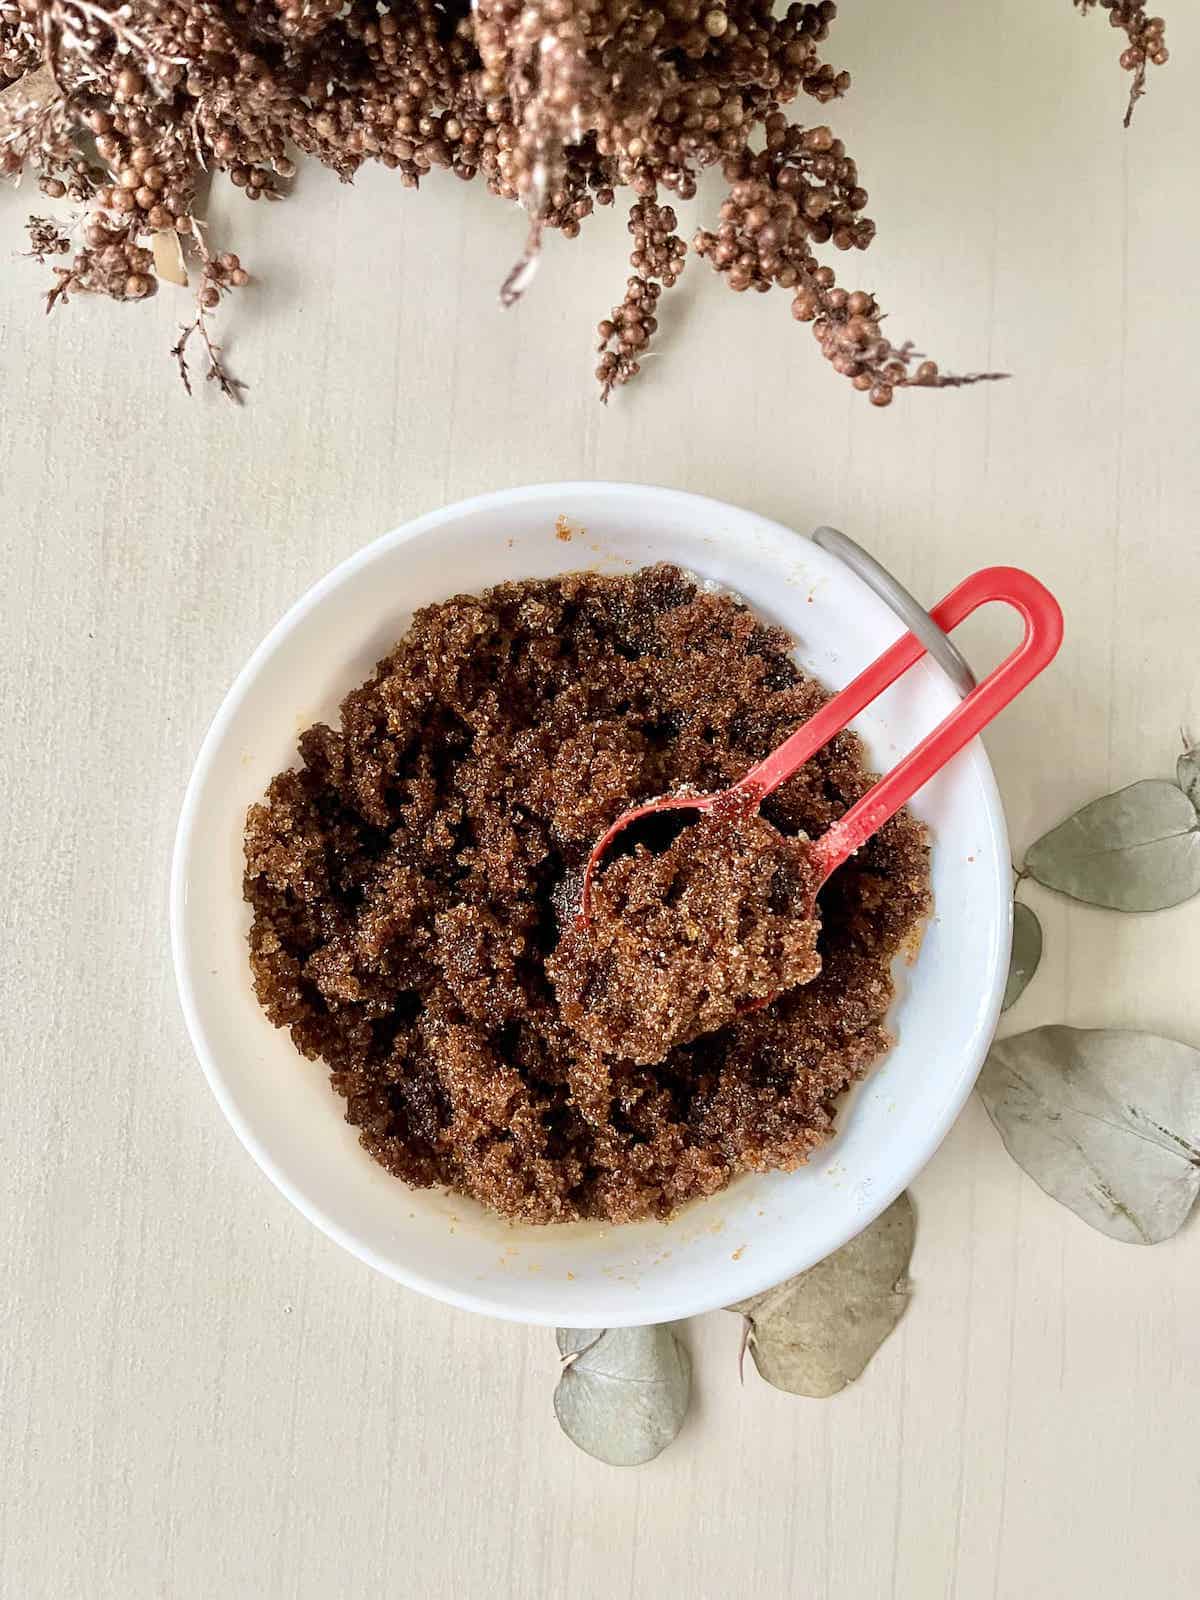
[(763, 1228)]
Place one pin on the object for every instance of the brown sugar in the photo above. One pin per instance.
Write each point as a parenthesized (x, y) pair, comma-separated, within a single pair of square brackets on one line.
[(681, 942), (413, 881)]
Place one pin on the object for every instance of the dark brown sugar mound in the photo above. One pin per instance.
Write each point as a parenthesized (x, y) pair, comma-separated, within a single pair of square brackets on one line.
[(681, 942), (411, 881)]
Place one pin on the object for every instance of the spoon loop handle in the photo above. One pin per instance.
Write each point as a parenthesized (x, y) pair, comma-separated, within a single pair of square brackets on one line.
[(1043, 634)]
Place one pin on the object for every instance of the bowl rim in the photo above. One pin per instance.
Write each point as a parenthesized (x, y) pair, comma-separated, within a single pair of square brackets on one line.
[(483, 1303)]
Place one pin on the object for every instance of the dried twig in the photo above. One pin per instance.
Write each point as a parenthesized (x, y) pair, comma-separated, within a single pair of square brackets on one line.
[(65, 281), (217, 373)]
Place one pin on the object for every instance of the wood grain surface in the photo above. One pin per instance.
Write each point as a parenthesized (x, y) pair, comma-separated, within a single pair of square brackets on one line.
[(201, 1398)]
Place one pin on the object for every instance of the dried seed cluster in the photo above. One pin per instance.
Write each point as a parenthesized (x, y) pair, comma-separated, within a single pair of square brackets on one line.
[(125, 109), (1147, 41)]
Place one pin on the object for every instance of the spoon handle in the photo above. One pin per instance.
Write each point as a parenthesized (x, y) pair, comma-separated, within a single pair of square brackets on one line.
[(1043, 634)]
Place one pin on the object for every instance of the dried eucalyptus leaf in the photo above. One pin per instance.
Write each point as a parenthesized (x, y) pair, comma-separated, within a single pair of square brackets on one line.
[(624, 1395), (1136, 850), (1026, 954), (815, 1333), (1107, 1122), (1187, 773)]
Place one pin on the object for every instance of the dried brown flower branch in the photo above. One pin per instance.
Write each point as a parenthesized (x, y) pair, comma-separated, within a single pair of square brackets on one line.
[(1146, 41), (556, 104)]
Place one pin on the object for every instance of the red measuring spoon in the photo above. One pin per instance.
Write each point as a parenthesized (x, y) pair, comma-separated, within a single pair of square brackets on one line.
[(1042, 617)]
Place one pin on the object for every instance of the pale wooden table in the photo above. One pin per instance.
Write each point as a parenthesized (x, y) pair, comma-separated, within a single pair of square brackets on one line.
[(200, 1397)]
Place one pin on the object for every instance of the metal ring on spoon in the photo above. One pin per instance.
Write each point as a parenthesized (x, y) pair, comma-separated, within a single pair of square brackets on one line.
[(911, 612)]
